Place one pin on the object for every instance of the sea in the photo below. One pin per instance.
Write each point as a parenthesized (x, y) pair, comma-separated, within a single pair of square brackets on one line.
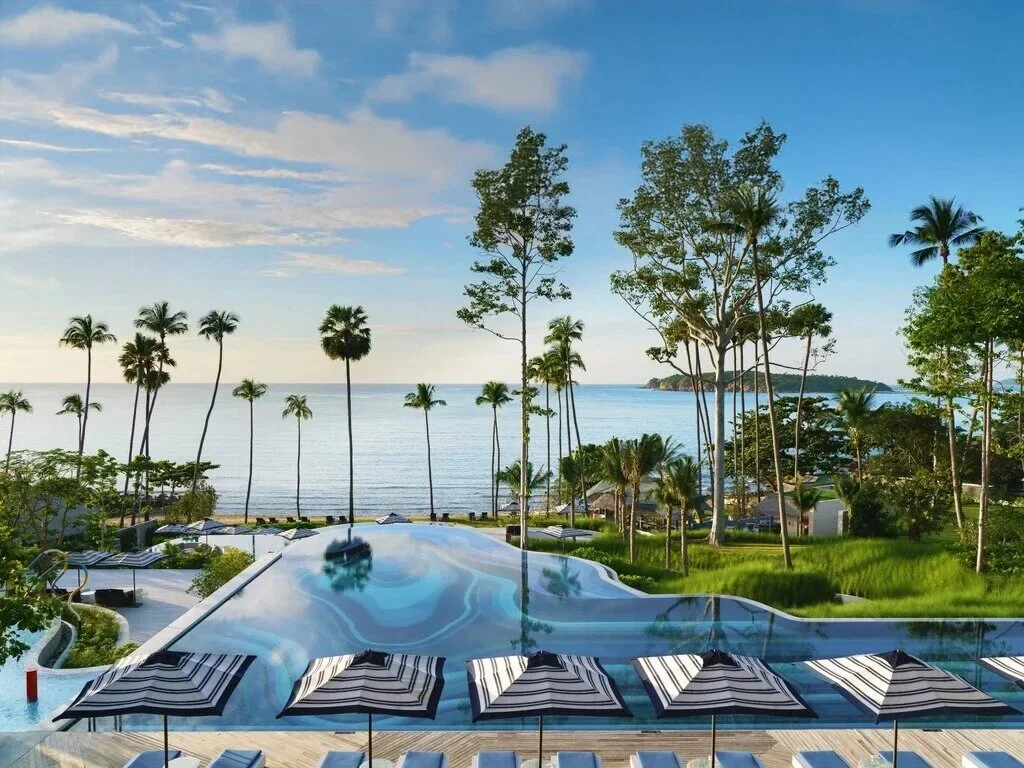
[(389, 439)]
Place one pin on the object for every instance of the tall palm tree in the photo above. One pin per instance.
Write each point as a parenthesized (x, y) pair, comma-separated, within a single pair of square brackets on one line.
[(640, 458), (546, 369), (13, 402), (295, 405), (855, 407), (160, 320), (83, 333), (512, 476), (72, 405), (136, 358), (941, 223), (252, 391), (805, 499), (806, 322), (683, 477), (611, 472), (562, 333), (423, 399), (752, 211), (571, 471), (215, 325), (345, 335), (494, 394)]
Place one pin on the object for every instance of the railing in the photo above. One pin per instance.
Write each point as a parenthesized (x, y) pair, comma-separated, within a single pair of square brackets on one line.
[(49, 574)]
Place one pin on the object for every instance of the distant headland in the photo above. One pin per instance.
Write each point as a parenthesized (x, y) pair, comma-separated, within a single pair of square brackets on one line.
[(784, 382)]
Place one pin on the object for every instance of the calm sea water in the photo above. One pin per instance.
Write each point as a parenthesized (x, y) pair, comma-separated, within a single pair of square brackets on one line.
[(389, 440)]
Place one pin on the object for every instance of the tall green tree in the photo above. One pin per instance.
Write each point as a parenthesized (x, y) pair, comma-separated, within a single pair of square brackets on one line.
[(563, 332), (546, 369), (495, 394), (136, 359), (296, 405), (855, 407), (511, 477), (682, 475), (692, 278), (423, 399), (214, 325), (941, 226), (807, 322), (523, 227), (73, 405), (13, 402), (640, 458), (85, 333), (345, 335), (805, 499), (612, 473), (160, 320), (251, 391)]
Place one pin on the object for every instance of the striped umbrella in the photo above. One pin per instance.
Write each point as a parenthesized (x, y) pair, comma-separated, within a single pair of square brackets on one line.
[(391, 518), (717, 683), (163, 683), (1010, 667), (296, 533), (206, 525), (542, 684), (175, 529), (896, 685), (233, 530), (87, 558), (134, 560), (371, 682)]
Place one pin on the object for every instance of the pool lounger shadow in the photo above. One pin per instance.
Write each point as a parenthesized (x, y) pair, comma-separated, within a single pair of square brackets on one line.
[(819, 759), (422, 760), (239, 758), (990, 760), (337, 759), (648, 759), (907, 759), (496, 760), (152, 758)]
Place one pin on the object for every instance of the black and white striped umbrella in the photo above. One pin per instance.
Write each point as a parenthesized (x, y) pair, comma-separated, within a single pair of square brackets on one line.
[(133, 560), (371, 682), (173, 529), (896, 685), (87, 558), (232, 530), (542, 684), (1010, 667), (163, 683), (206, 525), (717, 683), (391, 518), (296, 533)]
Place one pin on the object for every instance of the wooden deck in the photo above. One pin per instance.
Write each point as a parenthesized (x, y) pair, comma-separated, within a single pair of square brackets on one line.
[(303, 749)]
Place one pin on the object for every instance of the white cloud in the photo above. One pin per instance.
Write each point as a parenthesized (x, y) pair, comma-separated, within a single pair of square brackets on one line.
[(276, 173), (42, 146), (207, 97), (170, 42), (272, 45), (22, 280), (526, 78), (292, 262), (47, 25), (518, 13)]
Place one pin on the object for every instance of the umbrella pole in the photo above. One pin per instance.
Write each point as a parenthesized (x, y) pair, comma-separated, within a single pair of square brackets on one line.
[(167, 751), (895, 742), (134, 601), (369, 739), (540, 742), (713, 734)]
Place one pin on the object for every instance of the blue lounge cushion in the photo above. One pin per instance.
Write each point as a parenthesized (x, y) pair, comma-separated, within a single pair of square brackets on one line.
[(496, 760), (658, 760), (730, 759), (336, 759), (151, 758), (991, 760), (423, 760), (825, 758), (576, 760), (238, 758), (907, 759)]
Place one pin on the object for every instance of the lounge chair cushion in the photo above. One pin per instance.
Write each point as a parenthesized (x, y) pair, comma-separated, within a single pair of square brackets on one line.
[(496, 760), (907, 759), (238, 758), (576, 760), (823, 759), (336, 759), (657, 760), (991, 760), (151, 758), (422, 760), (729, 759)]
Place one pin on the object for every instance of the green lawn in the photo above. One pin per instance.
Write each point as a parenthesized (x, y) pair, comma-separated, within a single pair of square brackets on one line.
[(96, 643)]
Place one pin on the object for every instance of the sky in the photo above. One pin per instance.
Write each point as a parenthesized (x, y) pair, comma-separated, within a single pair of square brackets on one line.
[(273, 158)]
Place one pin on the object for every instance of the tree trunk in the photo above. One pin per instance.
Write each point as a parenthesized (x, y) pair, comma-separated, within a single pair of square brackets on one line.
[(772, 421), (718, 466), (351, 450), (558, 393), (743, 432), (494, 471), (209, 412), (735, 453), (668, 538), (799, 411), (856, 450), (430, 469), (547, 429), (88, 389), (579, 446), (152, 404), (10, 443), (986, 448), (248, 486), (682, 543), (298, 467), (634, 508), (568, 445), (954, 465), (138, 475), (524, 415), (757, 422)]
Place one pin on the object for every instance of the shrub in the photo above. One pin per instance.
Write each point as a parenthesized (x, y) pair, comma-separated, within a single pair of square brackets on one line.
[(96, 644), (868, 517), (197, 557), (1004, 541), (219, 570), (919, 504), (643, 583), (192, 506)]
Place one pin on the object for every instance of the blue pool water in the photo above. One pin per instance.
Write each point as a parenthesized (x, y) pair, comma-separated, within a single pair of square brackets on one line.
[(457, 593)]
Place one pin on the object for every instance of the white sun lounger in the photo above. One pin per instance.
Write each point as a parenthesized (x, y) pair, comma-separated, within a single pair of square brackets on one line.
[(907, 759), (499, 759), (825, 758), (576, 760), (655, 759), (422, 760), (990, 760)]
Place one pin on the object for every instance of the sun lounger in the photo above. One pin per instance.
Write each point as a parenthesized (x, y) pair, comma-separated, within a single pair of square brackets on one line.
[(822, 759), (730, 759), (422, 760), (576, 760), (151, 758), (654, 760), (496, 760), (990, 760), (336, 759), (272, 520), (238, 758), (907, 759), (329, 519)]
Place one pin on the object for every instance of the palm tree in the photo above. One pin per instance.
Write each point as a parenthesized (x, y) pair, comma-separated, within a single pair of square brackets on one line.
[(13, 402), (640, 458), (546, 369), (611, 472), (571, 472), (423, 398), (159, 319), (805, 499), (855, 409), (82, 333), (135, 359), (806, 322), (72, 405), (495, 394), (251, 391), (344, 335), (683, 477), (940, 224), (295, 405), (512, 476), (562, 332), (751, 211), (215, 324)]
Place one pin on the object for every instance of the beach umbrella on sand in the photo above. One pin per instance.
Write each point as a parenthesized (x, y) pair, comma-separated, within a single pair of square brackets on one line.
[(163, 683), (391, 518), (542, 684), (296, 533), (717, 683), (1010, 667), (371, 683), (896, 685), (134, 560)]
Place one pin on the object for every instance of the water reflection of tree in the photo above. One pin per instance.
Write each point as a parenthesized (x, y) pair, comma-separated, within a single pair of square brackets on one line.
[(562, 583), (528, 627), (351, 573), (965, 640)]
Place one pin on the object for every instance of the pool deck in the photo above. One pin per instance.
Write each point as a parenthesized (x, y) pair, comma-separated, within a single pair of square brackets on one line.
[(297, 749)]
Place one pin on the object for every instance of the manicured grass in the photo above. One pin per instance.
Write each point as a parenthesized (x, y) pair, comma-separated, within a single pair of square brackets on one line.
[(97, 640)]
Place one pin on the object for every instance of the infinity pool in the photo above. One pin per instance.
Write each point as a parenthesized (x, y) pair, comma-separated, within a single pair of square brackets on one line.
[(457, 593)]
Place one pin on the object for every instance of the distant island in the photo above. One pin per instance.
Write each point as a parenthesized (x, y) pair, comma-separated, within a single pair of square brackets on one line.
[(784, 382)]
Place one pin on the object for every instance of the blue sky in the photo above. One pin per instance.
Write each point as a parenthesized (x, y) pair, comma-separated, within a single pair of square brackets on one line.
[(273, 158)]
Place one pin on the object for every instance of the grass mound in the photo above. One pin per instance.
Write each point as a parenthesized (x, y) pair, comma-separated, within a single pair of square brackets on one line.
[(96, 643)]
